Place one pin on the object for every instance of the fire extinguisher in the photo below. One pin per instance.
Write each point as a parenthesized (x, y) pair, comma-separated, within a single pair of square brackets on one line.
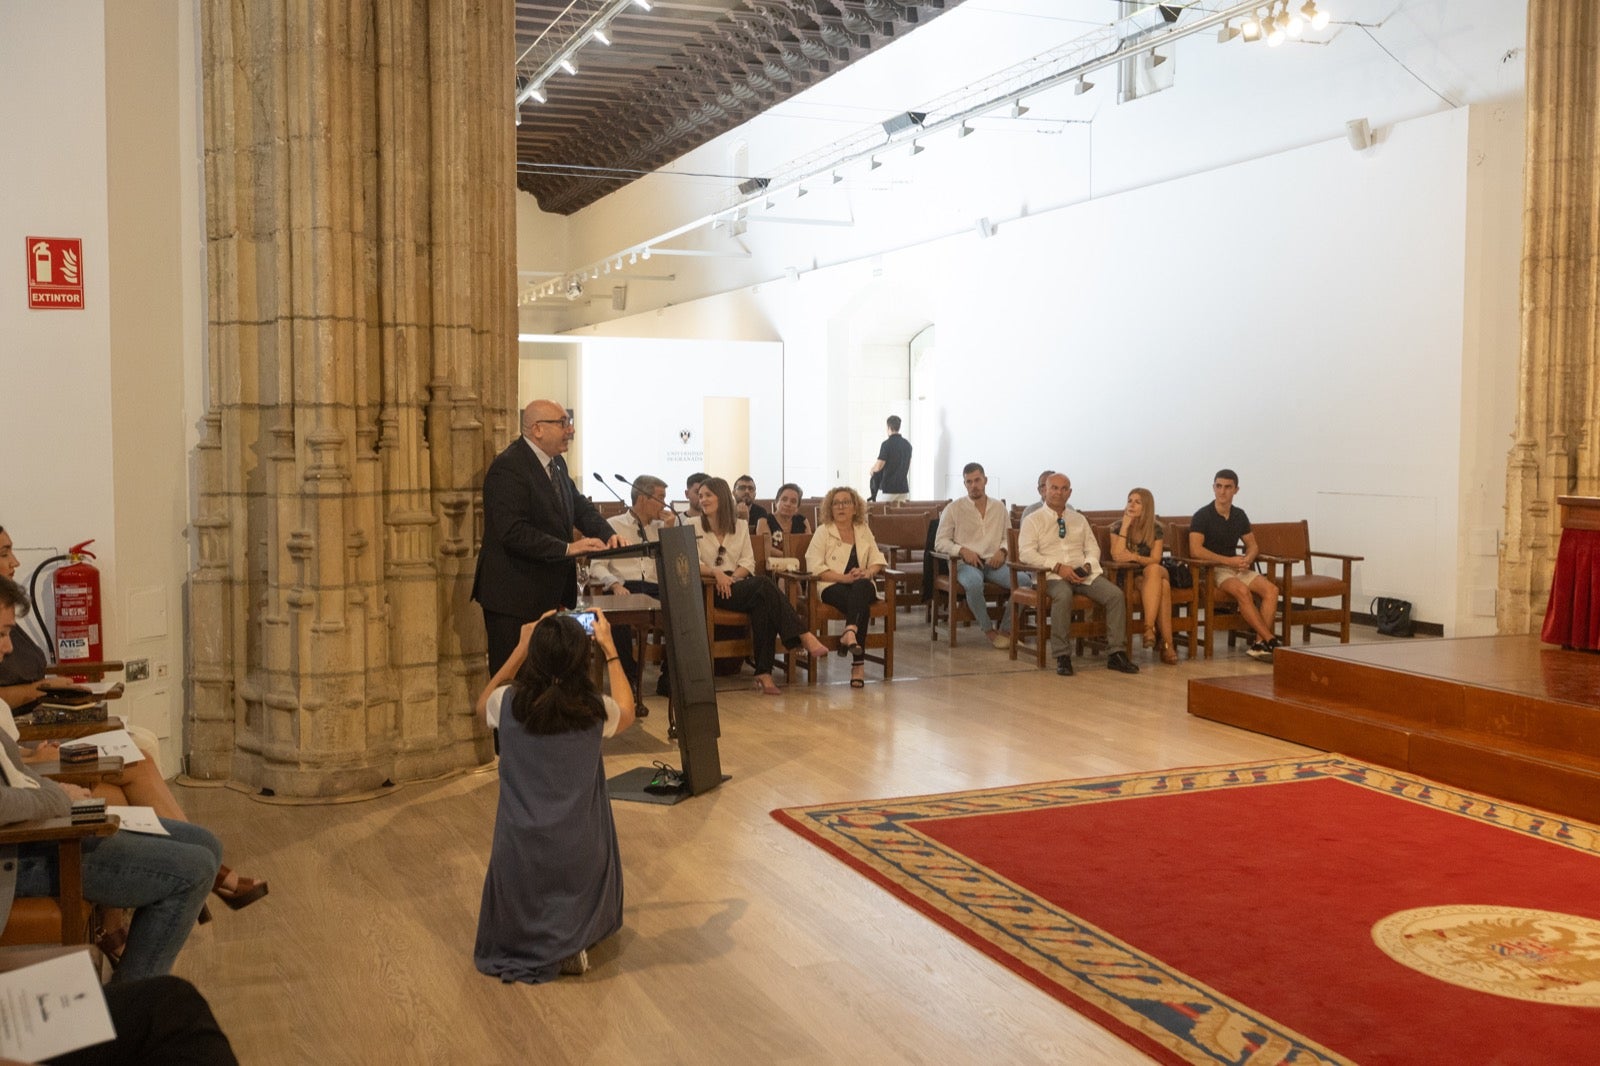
[(78, 608)]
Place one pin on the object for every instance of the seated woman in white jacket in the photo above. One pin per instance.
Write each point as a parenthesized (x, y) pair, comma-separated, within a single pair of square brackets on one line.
[(844, 558), (727, 559)]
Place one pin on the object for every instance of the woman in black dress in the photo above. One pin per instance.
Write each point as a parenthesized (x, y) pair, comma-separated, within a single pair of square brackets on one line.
[(554, 885)]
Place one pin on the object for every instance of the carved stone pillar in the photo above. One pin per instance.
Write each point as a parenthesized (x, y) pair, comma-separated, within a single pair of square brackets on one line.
[(361, 372), (1556, 450)]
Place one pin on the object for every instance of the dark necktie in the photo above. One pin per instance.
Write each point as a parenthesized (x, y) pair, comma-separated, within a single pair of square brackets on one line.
[(563, 483)]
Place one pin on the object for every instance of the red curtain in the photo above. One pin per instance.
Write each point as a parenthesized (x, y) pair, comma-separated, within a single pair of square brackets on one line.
[(1573, 617)]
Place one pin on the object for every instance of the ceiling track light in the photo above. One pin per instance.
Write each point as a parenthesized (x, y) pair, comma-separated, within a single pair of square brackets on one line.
[(963, 130), (646, 252), (873, 162), (1251, 29), (1156, 58), (645, 4), (1317, 18), (1083, 86), (1018, 109), (600, 35), (566, 65), (634, 258), (836, 177), (916, 149), (1228, 32)]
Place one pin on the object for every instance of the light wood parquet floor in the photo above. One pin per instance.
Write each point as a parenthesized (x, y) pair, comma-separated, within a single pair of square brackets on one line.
[(743, 943)]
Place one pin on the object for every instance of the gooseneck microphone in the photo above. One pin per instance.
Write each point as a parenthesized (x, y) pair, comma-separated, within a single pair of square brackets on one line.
[(609, 489)]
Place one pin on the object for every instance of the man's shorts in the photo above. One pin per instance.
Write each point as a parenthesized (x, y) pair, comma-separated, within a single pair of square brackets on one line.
[(1219, 574)]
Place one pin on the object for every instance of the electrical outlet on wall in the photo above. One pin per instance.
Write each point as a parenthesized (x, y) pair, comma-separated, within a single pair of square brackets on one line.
[(138, 669)]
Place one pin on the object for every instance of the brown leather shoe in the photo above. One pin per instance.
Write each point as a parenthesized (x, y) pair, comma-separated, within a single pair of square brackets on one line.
[(1169, 654)]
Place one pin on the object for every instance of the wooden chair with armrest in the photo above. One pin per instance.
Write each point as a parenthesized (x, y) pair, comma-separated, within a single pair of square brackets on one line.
[(60, 919), (1288, 545), (902, 536), (1029, 603), (1185, 602), (728, 632), (949, 598), (878, 639), (1218, 612)]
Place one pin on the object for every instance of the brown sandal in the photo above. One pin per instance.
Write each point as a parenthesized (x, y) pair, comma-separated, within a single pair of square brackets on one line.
[(245, 890), (1169, 654)]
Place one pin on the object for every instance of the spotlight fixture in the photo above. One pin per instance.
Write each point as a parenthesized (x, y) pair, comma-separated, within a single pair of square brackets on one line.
[(619, 262), (873, 162), (537, 93), (1316, 17), (1018, 109), (963, 130), (1156, 58), (1251, 29), (837, 177), (1359, 132), (916, 148), (646, 253), (600, 35), (566, 65), (1275, 27), (644, 4), (1083, 86), (799, 191), (904, 121), (751, 186), (607, 268), (634, 258), (1227, 33), (985, 228), (574, 288)]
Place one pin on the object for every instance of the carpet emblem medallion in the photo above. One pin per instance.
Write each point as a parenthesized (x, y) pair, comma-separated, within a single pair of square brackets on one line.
[(1535, 955)]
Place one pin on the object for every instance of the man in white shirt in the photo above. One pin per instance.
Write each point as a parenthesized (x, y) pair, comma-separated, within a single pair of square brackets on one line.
[(972, 530), (641, 523), (1059, 539)]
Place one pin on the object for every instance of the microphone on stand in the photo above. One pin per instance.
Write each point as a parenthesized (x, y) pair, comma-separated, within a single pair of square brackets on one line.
[(608, 488)]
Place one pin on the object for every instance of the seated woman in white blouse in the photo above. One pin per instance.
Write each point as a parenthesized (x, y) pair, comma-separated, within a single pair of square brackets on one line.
[(726, 558), (845, 558)]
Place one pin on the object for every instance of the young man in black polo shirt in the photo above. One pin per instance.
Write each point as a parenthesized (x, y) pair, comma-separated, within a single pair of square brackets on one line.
[(894, 463), (1215, 533)]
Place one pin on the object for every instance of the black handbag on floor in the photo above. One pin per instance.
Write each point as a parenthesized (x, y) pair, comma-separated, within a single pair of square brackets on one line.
[(1392, 616), (1178, 574)]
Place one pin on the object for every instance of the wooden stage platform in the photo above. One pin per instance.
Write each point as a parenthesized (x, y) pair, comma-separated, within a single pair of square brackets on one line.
[(1506, 716)]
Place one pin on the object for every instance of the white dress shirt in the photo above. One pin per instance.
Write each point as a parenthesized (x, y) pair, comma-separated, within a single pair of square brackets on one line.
[(961, 526), (612, 572), (1040, 543)]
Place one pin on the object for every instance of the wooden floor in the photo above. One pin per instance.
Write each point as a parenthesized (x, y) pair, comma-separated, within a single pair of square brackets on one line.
[(742, 942)]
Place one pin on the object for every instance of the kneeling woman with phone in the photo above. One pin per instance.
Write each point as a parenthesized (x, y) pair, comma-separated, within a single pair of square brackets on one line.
[(554, 886)]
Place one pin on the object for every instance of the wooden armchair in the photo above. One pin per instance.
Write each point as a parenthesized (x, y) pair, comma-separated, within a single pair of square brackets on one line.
[(1186, 603), (902, 536), (61, 919), (1029, 603), (728, 632), (949, 599), (1288, 545), (879, 638)]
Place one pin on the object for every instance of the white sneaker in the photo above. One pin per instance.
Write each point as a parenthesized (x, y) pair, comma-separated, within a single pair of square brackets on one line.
[(573, 965), (999, 639)]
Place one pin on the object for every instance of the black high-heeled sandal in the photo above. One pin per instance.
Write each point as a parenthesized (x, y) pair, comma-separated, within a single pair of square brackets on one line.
[(843, 649)]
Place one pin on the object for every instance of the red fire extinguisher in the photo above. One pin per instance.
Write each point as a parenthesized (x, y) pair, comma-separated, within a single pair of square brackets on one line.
[(78, 608)]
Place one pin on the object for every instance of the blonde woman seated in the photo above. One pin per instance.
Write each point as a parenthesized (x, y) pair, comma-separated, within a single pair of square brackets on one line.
[(845, 559), (1137, 537), (725, 557)]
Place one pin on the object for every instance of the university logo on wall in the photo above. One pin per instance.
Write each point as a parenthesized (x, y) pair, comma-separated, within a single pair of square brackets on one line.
[(684, 435), (55, 273)]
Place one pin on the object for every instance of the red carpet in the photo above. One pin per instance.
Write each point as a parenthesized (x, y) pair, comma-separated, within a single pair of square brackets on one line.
[(1229, 914)]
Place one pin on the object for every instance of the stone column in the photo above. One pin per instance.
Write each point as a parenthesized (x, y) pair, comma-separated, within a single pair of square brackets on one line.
[(1556, 450), (361, 371)]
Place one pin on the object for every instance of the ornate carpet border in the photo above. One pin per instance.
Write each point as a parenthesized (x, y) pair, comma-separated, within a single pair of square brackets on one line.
[(1157, 1008)]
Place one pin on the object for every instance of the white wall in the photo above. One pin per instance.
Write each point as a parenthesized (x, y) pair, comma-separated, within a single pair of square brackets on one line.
[(1298, 317)]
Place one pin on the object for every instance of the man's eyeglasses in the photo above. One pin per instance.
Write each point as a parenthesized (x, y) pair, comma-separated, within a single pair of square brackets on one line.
[(1061, 528), (564, 423)]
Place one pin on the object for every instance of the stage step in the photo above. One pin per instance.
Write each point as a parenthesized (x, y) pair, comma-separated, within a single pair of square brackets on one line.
[(1510, 747)]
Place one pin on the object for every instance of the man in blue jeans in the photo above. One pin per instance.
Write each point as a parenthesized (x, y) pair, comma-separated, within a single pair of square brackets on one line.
[(163, 879), (972, 531)]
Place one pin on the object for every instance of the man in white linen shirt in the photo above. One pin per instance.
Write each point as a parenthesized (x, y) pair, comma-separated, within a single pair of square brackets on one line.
[(640, 523), (1059, 539), (973, 530)]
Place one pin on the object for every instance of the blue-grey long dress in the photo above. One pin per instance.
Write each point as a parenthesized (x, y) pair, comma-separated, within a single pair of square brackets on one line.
[(554, 885)]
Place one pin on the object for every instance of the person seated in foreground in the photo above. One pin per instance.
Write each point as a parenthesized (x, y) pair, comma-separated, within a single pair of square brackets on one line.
[(163, 879), (744, 501), (1137, 537), (641, 523), (161, 1020), (1215, 534), (726, 559), (553, 888), (785, 517), (844, 559), (1059, 540), (972, 531), (23, 684)]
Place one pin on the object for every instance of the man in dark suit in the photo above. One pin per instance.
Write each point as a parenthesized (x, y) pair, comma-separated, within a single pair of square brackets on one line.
[(530, 508)]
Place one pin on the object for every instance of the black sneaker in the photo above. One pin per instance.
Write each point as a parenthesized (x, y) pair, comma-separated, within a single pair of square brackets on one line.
[(1119, 661), (1260, 651), (1064, 665)]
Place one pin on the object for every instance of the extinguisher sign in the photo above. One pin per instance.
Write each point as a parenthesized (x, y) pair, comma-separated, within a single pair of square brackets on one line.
[(55, 273)]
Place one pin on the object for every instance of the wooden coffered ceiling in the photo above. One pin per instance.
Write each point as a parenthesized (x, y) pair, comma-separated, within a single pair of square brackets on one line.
[(676, 76)]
